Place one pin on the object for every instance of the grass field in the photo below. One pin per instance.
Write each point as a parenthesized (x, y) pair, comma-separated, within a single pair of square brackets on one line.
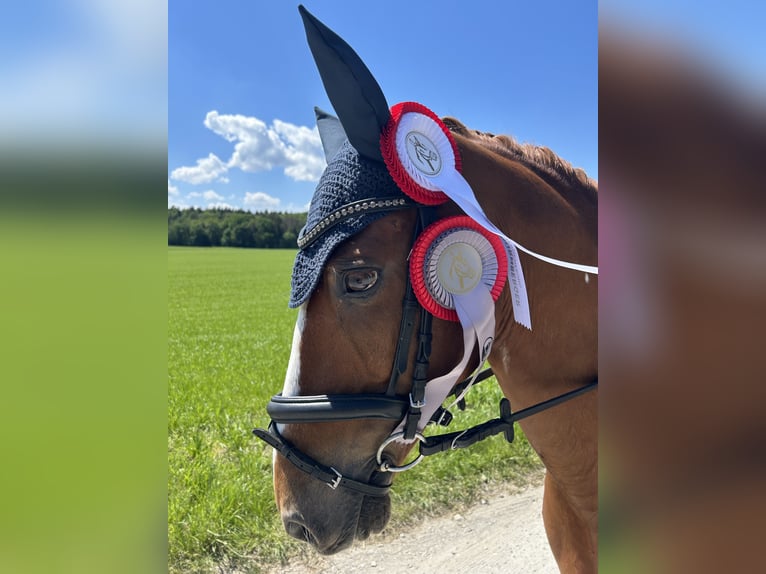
[(229, 337)]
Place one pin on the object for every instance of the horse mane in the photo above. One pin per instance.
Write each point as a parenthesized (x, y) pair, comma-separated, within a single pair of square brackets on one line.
[(539, 159)]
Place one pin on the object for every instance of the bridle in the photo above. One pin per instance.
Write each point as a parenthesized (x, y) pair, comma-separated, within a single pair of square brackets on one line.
[(388, 405), (346, 407)]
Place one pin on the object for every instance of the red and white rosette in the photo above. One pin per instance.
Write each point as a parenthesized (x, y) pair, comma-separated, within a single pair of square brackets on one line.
[(450, 259), (418, 148)]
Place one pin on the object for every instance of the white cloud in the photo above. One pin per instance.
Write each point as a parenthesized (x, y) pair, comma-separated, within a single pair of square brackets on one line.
[(221, 205), (259, 147), (259, 201), (174, 196), (304, 151), (210, 195), (207, 170)]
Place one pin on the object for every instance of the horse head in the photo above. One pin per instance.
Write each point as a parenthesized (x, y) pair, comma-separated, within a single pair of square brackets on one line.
[(344, 343)]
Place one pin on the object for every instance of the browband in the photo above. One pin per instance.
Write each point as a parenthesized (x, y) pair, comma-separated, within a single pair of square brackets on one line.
[(362, 206)]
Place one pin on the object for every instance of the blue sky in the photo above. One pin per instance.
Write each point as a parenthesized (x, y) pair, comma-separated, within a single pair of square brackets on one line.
[(80, 74), (242, 85)]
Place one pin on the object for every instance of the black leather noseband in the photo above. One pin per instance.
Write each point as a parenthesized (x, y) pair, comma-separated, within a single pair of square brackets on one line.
[(325, 408)]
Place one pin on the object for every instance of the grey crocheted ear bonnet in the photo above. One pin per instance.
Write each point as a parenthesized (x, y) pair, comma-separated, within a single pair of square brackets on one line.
[(352, 193)]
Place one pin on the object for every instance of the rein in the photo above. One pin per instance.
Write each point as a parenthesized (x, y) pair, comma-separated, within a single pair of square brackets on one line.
[(504, 424)]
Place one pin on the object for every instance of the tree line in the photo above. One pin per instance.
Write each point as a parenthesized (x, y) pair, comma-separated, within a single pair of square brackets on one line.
[(233, 228)]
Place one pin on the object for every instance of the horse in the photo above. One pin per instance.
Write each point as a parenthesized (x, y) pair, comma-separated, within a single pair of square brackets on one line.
[(336, 418)]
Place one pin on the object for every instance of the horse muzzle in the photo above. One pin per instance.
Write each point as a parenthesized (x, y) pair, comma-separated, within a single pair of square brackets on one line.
[(337, 526)]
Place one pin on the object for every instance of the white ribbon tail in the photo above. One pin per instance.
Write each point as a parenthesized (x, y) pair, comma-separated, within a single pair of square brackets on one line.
[(457, 188), (518, 289), (476, 311)]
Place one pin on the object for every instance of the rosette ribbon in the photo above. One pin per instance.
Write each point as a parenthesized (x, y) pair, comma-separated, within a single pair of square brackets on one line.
[(423, 159)]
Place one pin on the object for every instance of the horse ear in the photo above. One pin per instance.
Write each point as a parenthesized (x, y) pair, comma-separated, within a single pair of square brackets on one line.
[(353, 91), (330, 132)]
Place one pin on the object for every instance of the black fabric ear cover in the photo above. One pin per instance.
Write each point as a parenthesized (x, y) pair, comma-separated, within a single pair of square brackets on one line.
[(352, 89)]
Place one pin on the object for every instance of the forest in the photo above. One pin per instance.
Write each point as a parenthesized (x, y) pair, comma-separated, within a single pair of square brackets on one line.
[(233, 228)]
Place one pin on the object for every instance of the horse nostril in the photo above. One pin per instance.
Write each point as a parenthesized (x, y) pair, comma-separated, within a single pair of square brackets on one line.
[(362, 533), (299, 531)]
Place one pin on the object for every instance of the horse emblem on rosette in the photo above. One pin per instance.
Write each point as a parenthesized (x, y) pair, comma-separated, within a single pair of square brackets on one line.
[(429, 249), (424, 154)]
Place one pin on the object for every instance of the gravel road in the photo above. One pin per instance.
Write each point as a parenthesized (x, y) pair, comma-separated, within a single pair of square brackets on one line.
[(504, 533)]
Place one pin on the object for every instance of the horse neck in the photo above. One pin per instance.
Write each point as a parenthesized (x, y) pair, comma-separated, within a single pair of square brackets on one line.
[(558, 220), (544, 214)]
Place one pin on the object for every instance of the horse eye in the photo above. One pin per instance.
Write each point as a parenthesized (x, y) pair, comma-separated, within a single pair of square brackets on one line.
[(360, 280)]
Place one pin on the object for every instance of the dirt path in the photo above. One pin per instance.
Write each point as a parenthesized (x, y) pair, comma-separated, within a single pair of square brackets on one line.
[(504, 533)]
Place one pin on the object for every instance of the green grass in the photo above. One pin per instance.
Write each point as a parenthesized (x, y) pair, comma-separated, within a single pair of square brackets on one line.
[(229, 337)]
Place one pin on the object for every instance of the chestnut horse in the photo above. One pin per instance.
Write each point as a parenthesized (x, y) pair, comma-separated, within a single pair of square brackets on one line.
[(350, 325)]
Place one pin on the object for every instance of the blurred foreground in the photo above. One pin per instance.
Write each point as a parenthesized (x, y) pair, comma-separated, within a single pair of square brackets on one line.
[(83, 286), (681, 310)]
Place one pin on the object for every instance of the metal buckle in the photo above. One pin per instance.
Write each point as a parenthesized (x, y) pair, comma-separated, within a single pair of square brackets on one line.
[(384, 466), (335, 483), (418, 404), (454, 446)]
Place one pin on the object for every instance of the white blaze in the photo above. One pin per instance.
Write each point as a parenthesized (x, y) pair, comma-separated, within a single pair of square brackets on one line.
[(291, 387)]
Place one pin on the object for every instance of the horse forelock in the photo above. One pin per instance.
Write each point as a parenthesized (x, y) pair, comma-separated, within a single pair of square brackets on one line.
[(540, 159)]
